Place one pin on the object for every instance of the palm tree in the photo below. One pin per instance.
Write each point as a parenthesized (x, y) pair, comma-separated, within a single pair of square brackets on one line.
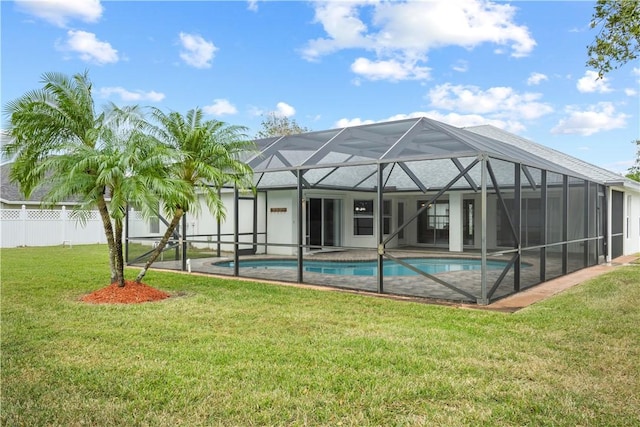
[(58, 138), (209, 157)]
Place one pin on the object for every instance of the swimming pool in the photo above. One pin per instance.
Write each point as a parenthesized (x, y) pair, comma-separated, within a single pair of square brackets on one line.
[(369, 268)]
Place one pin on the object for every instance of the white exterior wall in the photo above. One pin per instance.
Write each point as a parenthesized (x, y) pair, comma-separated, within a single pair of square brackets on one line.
[(138, 227), (282, 225), (203, 225), (282, 221)]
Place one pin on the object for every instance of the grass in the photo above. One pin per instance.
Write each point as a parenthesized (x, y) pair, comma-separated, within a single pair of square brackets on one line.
[(225, 352)]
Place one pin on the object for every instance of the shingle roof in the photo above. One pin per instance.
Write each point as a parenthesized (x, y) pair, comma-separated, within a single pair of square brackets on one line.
[(10, 192), (593, 172)]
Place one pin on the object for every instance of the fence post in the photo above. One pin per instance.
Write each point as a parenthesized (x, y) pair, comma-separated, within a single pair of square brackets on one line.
[(63, 217), (23, 216)]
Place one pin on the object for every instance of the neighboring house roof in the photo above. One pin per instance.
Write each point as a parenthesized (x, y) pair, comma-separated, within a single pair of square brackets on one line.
[(10, 192)]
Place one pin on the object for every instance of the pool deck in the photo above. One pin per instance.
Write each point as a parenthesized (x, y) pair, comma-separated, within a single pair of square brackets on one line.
[(545, 290), (509, 304)]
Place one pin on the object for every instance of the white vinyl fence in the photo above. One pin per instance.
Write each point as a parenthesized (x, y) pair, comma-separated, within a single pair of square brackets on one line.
[(48, 227)]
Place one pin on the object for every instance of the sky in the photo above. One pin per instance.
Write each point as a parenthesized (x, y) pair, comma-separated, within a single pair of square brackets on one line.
[(518, 65)]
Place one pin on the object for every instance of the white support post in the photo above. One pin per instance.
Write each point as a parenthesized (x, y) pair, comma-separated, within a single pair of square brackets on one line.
[(455, 222)]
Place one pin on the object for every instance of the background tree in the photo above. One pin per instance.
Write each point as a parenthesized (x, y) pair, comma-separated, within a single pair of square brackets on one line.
[(209, 156), (59, 140), (618, 40), (634, 171), (276, 125)]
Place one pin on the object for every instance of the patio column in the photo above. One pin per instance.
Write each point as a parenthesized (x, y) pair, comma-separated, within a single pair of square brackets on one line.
[(455, 222)]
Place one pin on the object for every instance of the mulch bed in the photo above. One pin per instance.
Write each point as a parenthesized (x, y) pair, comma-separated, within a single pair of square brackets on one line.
[(131, 293)]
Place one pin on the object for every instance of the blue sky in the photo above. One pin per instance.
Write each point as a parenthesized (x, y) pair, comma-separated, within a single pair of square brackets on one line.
[(519, 66)]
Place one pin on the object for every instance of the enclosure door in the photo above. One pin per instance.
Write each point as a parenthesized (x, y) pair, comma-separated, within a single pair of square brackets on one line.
[(617, 224), (323, 222), (433, 224)]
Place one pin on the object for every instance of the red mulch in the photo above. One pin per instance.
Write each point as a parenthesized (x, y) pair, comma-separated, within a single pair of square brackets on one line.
[(131, 293)]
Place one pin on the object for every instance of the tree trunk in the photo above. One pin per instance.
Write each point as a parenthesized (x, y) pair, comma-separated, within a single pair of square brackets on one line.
[(119, 259), (108, 231), (172, 226)]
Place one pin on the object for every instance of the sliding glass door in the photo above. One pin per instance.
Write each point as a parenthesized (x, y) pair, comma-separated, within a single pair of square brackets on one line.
[(323, 222), (433, 224)]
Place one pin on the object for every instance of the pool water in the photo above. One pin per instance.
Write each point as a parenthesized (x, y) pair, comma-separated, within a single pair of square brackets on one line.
[(370, 268)]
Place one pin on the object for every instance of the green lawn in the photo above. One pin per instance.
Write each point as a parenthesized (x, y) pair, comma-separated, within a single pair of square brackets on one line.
[(225, 352)]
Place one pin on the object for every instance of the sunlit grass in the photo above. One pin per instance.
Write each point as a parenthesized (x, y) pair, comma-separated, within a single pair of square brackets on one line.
[(226, 352)]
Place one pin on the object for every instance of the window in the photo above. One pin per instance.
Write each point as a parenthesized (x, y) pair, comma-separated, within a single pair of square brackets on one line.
[(363, 217), (154, 225), (628, 216)]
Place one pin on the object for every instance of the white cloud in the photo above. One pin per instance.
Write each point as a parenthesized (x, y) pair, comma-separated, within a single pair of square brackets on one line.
[(500, 102), (453, 119), (197, 51), (389, 70), (256, 111), (404, 32), (343, 26), (502, 107), (89, 48), (630, 91), (284, 110), (597, 118), (636, 71), (129, 96), (590, 83), (461, 66), (252, 5), (343, 123), (536, 79), (220, 107), (59, 12)]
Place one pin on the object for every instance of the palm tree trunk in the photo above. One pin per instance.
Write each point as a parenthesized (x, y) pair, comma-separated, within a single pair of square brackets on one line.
[(108, 231), (119, 259), (172, 226)]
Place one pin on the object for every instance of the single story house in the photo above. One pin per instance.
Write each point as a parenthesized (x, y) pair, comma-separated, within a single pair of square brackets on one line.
[(418, 208)]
